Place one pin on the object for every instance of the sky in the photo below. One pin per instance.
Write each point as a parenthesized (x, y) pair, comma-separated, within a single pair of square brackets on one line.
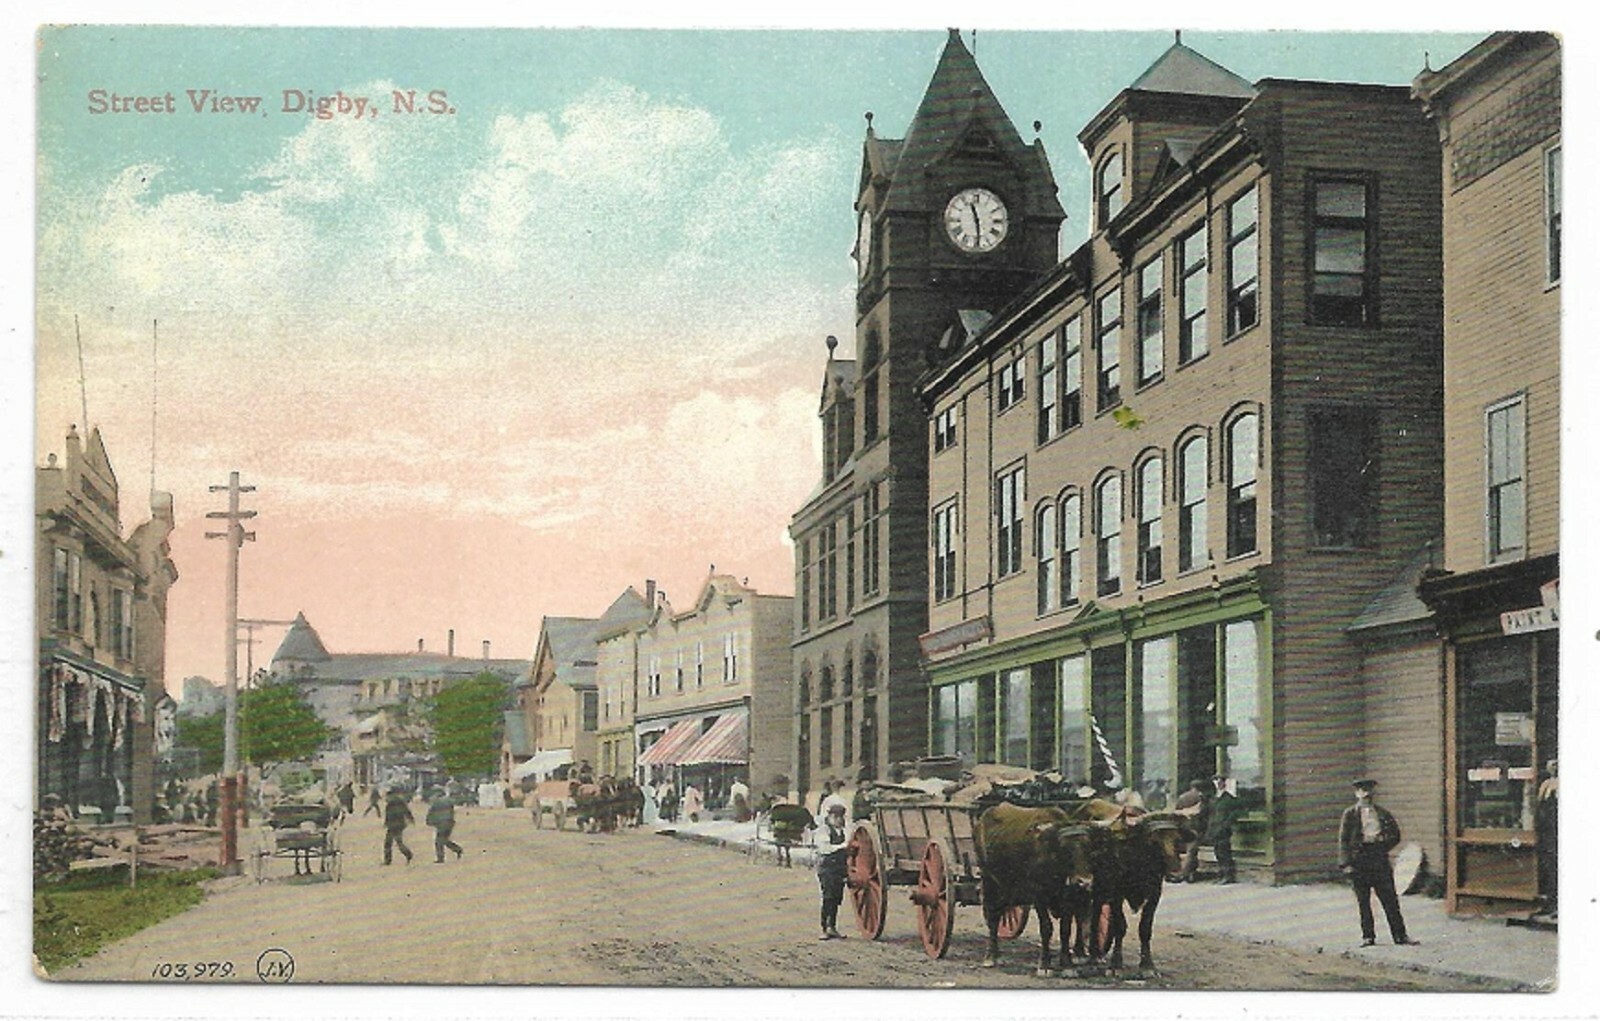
[(501, 361)]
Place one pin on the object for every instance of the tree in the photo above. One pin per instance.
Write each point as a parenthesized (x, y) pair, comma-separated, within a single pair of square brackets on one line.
[(276, 724), (204, 735), (467, 718)]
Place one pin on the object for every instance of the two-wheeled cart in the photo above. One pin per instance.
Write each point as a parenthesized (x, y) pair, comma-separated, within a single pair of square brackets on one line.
[(300, 833), (930, 847)]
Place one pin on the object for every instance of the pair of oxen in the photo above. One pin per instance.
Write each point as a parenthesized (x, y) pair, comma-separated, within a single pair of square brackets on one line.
[(1081, 865), (602, 805)]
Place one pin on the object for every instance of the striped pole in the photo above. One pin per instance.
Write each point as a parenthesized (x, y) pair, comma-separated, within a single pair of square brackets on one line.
[(1105, 753)]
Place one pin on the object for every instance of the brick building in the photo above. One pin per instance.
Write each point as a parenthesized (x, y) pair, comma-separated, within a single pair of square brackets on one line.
[(1165, 482), (959, 213), (1497, 109), (101, 612)]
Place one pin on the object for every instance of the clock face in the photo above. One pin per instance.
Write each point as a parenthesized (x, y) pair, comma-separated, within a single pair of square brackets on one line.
[(976, 220), (864, 243)]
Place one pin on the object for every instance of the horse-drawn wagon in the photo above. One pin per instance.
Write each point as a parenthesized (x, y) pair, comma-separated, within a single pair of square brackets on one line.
[(300, 833), (558, 797)]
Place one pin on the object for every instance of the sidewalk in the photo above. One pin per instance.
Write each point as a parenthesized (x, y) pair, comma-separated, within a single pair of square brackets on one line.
[(1316, 918)]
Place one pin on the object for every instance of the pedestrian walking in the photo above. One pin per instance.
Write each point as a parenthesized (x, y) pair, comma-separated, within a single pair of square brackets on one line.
[(374, 802), (1546, 829), (396, 816), (831, 861), (347, 797), (693, 802), (1367, 833), (669, 802), (442, 817), (1225, 812), (1194, 804)]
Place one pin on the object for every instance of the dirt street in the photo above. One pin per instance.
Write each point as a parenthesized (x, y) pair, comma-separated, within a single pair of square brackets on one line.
[(633, 908)]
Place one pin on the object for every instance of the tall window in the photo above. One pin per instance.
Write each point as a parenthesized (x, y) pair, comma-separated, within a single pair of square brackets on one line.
[(1241, 665), (1108, 188), (1243, 461), (1151, 336), (1341, 243), (1243, 253), (1011, 381), (1552, 213), (1344, 477), (1044, 541), (1506, 511), (1108, 530), (1072, 374), (678, 684), (849, 558), (1074, 719), (825, 685), (869, 408), (1192, 481), (1109, 340), (1014, 696), (75, 592), (652, 677), (1151, 483), (699, 664), (1008, 522), (1071, 554), (1192, 329), (848, 747), (828, 573), (805, 584), (63, 594), (944, 429), (871, 540), (955, 714), (1157, 776), (1048, 423), (730, 658), (944, 552), (825, 737)]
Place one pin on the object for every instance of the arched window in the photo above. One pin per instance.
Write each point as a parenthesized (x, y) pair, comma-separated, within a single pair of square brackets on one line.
[(869, 667), (847, 678), (1108, 532), (1243, 462), (1071, 542), (1152, 482), (1045, 549), (825, 688), (1108, 187), (1193, 463), (803, 693)]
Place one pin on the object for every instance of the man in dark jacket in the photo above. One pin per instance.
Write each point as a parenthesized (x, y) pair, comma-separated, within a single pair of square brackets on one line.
[(1367, 834), (442, 817), (396, 815), (1225, 811), (1197, 806)]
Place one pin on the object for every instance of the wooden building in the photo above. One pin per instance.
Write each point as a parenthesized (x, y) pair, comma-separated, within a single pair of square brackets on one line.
[(1497, 109), (1165, 482)]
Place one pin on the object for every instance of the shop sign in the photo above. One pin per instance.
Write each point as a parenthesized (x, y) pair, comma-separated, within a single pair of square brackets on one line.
[(1534, 618), (955, 636), (1513, 729)]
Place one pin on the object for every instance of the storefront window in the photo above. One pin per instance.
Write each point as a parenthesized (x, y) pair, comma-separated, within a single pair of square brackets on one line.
[(1074, 704), (1014, 750), (1496, 735), (1197, 702), (1242, 703), (1157, 780), (955, 720), (1108, 694)]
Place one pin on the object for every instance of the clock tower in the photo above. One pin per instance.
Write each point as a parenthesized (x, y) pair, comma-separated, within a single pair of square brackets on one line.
[(959, 216)]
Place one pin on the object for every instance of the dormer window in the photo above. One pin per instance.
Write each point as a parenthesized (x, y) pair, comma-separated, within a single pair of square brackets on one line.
[(1109, 196)]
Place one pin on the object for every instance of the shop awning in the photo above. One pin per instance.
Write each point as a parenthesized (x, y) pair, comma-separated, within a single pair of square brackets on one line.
[(542, 763), (666, 751), (728, 741)]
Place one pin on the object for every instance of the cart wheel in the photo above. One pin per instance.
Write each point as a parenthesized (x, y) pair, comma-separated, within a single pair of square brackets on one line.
[(561, 815), (935, 904), (1013, 921), (538, 815), (866, 879)]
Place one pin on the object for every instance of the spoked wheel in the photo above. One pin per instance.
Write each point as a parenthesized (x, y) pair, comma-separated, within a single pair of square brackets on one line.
[(933, 896), (1013, 921), (864, 874)]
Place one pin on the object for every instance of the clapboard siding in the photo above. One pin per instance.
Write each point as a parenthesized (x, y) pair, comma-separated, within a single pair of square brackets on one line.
[(1404, 680)]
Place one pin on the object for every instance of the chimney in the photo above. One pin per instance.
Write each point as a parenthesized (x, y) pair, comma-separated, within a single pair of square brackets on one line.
[(419, 645), (486, 648), (450, 642), (650, 592)]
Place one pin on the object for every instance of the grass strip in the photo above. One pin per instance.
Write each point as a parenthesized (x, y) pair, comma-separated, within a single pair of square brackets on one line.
[(75, 917)]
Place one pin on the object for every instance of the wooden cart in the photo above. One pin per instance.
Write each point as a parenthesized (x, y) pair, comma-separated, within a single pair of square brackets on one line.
[(301, 833), (928, 846)]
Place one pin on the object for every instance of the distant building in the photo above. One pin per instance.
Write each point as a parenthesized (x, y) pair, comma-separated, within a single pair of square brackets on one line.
[(376, 700), (200, 698), (1497, 108), (101, 616), (557, 695), (617, 677), (714, 689)]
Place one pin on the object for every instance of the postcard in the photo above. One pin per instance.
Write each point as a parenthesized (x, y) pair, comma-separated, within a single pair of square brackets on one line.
[(728, 509)]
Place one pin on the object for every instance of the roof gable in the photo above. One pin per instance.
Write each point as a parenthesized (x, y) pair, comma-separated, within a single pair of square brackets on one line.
[(1183, 70)]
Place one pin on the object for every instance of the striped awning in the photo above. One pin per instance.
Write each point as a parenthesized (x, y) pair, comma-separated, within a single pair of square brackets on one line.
[(728, 741), (666, 751)]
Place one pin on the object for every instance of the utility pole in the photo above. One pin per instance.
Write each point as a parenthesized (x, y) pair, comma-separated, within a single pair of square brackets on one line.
[(229, 782), (249, 642)]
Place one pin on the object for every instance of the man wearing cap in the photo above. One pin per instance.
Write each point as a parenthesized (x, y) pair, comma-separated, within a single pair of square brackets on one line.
[(831, 853), (1225, 812), (1367, 833)]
